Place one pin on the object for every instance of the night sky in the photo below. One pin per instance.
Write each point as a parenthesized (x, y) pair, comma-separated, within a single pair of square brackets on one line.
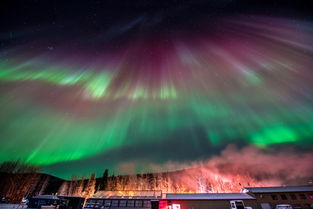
[(89, 85)]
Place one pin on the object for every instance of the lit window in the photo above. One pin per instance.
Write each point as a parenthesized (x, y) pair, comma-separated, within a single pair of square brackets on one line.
[(176, 206)]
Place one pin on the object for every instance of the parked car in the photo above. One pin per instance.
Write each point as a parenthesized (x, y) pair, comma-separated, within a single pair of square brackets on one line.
[(283, 206)]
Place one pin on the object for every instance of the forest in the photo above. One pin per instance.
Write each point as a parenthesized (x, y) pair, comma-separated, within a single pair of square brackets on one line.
[(19, 181)]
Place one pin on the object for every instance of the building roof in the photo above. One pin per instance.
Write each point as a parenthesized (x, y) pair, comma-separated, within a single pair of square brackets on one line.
[(46, 197), (210, 196), (136, 194), (125, 197), (278, 189)]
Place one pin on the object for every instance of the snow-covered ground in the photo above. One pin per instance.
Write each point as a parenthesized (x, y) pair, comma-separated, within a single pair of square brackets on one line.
[(12, 206)]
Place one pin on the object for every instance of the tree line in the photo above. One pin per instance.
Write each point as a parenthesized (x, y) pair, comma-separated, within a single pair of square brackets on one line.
[(19, 180)]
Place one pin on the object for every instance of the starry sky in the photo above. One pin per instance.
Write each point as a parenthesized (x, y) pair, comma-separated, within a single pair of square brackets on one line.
[(86, 86)]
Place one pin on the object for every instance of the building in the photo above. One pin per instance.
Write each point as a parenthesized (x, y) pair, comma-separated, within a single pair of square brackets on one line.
[(61, 202), (205, 201), (120, 203), (299, 197), (141, 199), (170, 201)]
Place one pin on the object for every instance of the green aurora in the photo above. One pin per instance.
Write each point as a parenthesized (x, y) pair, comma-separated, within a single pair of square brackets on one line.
[(53, 112)]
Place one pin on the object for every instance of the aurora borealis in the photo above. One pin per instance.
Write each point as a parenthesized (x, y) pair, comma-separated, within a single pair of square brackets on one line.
[(96, 100)]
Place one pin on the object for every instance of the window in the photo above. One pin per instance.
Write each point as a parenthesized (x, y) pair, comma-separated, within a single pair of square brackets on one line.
[(130, 203), (114, 203), (176, 206), (107, 202), (138, 203), (302, 196), (122, 203), (283, 197), (100, 202), (274, 197), (293, 196), (239, 205), (146, 204)]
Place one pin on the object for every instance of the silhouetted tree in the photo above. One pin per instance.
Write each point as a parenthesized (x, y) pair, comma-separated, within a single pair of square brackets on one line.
[(18, 180), (104, 181)]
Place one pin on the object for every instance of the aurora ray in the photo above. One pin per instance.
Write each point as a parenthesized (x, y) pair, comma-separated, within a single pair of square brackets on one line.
[(254, 86)]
